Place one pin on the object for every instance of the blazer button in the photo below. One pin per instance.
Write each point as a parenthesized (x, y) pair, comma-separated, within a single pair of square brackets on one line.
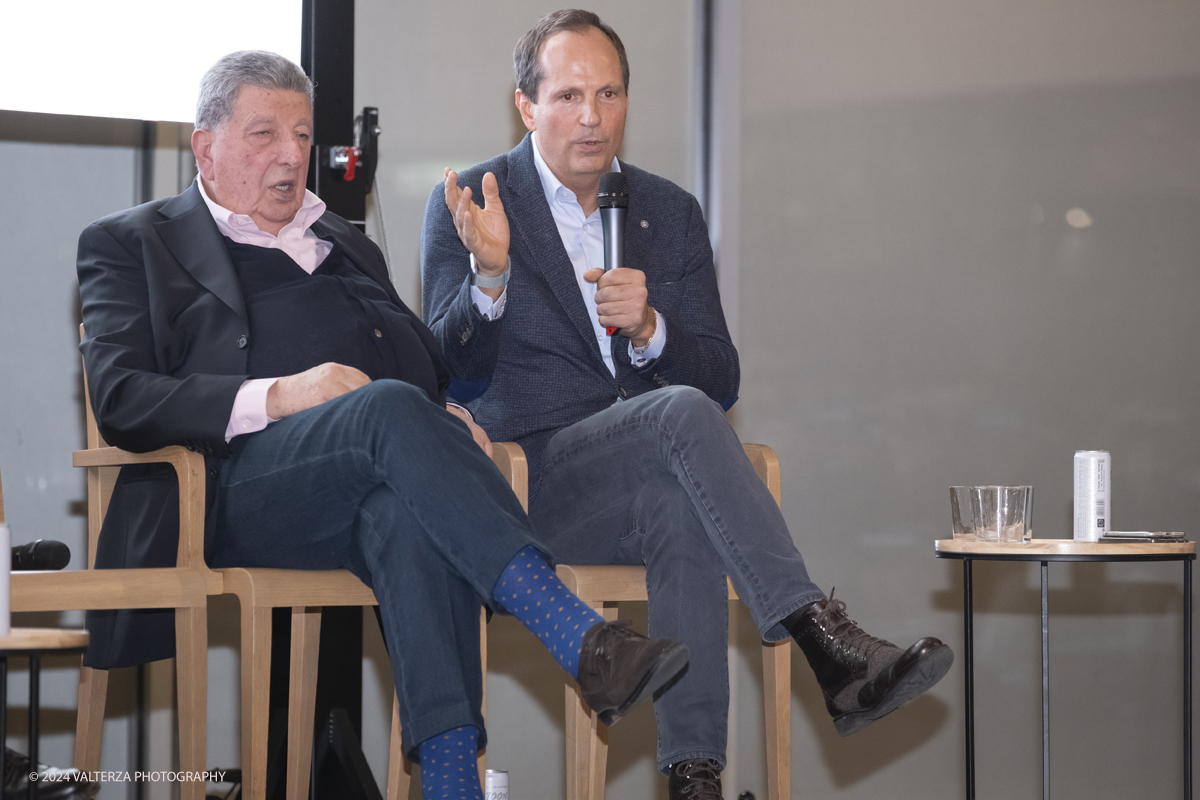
[(243, 341), (378, 333), (623, 392)]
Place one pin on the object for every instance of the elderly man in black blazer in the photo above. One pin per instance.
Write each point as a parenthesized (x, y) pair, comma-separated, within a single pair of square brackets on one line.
[(242, 320), (616, 385)]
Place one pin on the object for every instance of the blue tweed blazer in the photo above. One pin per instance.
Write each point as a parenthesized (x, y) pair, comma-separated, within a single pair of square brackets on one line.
[(538, 368)]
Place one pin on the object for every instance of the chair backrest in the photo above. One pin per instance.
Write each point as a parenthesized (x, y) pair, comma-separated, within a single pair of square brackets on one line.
[(100, 480), (103, 469)]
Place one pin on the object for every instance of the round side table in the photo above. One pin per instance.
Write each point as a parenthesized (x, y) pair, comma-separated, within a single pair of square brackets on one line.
[(34, 643), (1045, 551)]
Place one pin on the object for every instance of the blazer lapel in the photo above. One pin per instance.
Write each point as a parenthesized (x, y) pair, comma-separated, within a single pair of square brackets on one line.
[(534, 227), (638, 240), (191, 235)]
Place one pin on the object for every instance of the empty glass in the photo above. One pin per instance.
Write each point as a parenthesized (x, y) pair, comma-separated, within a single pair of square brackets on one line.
[(1001, 514), (962, 523)]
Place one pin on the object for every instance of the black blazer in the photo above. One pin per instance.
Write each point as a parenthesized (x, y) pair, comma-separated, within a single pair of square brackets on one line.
[(166, 348)]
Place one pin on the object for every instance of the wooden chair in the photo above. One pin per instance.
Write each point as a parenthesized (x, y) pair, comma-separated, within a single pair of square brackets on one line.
[(602, 587), (179, 587)]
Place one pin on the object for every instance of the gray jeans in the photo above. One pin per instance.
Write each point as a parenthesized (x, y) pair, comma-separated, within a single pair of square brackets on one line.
[(662, 481)]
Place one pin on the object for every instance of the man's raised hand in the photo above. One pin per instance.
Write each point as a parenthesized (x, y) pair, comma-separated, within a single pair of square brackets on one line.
[(484, 231), (295, 393)]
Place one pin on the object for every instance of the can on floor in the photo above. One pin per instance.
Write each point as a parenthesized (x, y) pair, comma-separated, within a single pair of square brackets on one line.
[(495, 784), (1093, 490)]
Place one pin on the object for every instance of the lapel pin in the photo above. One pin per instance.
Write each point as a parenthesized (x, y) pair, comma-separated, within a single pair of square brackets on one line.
[(645, 224)]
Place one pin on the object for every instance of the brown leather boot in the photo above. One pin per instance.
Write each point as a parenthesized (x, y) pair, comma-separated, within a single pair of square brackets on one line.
[(863, 678), (618, 667)]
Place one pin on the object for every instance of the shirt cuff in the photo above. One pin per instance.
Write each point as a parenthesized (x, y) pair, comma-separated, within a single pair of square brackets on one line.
[(657, 342), (451, 404), (250, 408), (491, 309)]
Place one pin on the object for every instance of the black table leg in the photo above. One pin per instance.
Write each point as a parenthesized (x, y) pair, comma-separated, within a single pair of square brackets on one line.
[(969, 664), (1045, 680), (3, 710), (35, 675), (1187, 679)]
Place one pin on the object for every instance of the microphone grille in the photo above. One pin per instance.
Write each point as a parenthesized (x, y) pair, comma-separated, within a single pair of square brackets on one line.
[(614, 190)]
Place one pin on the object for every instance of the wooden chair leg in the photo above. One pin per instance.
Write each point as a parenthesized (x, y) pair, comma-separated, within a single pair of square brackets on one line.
[(777, 701), (399, 770), (89, 724), (302, 698), (191, 669), (256, 698), (586, 738), (481, 757)]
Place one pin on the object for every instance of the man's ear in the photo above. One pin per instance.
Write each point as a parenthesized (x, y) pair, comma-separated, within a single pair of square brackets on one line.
[(524, 106), (202, 142)]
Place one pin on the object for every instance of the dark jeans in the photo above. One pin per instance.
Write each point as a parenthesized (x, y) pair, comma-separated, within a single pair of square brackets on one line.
[(662, 480), (383, 482)]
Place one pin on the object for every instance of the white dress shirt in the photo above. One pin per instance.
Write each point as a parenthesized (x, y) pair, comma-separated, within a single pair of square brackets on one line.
[(583, 238)]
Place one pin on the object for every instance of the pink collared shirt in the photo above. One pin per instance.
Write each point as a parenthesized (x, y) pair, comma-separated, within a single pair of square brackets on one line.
[(306, 249)]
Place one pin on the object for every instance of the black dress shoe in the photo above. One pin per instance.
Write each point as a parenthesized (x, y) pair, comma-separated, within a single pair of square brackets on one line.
[(63, 783), (695, 779), (863, 678), (618, 667)]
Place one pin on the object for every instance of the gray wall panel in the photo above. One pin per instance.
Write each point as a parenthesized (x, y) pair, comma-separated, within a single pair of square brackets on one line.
[(915, 312)]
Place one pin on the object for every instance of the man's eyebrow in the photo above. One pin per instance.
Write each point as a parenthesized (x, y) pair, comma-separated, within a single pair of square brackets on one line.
[(260, 119), (266, 119)]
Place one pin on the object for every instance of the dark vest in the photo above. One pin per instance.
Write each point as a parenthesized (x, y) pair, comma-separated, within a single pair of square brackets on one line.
[(299, 321)]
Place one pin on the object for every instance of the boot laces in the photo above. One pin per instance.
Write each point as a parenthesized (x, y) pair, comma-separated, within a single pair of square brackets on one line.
[(704, 778), (833, 620), (607, 637)]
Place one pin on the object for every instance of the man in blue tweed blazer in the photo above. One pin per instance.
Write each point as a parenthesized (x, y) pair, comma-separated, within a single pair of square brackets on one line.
[(631, 458)]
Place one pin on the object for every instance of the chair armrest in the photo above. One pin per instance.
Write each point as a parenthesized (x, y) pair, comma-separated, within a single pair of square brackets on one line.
[(94, 589), (116, 457), (766, 464), (189, 468), (509, 458)]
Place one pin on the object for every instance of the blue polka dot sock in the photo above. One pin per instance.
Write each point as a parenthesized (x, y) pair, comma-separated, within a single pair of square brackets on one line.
[(448, 770), (530, 591)]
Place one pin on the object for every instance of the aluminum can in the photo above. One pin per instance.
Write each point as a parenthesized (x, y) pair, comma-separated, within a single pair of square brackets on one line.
[(1093, 490), (495, 784)]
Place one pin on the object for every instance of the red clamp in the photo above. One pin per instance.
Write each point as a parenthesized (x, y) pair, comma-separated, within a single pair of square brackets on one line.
[(352, 154)]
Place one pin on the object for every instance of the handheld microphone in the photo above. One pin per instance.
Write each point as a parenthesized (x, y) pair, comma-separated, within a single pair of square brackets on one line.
[(40, 555), (614, 205)]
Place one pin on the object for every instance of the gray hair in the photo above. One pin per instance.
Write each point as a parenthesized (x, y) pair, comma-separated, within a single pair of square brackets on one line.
[(526, 57), (221, 85)]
